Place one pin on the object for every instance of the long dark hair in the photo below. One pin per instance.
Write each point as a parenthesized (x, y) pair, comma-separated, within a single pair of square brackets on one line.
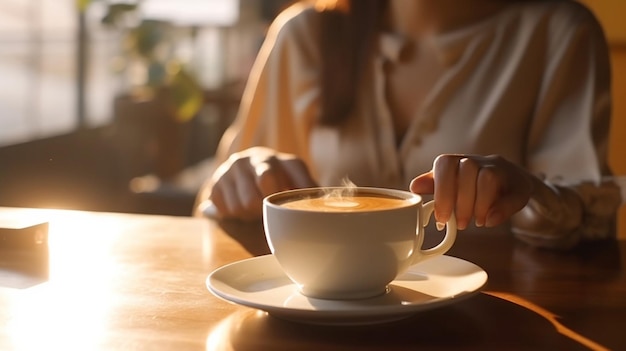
[(347, 36)]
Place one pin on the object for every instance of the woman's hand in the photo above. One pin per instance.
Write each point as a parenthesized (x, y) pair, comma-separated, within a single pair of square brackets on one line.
[(489, 188), (241, 183)]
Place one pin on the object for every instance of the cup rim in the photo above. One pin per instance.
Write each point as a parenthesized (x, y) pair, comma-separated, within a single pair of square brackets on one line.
[(274, 200)]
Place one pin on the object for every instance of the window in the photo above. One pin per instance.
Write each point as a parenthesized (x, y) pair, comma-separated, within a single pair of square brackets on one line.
[(38, 66)]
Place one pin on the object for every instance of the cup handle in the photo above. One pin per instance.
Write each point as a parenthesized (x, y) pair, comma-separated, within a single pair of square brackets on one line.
[(447, 241)]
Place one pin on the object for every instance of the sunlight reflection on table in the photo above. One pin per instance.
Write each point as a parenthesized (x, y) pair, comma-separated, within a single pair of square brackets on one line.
[(81, 272)]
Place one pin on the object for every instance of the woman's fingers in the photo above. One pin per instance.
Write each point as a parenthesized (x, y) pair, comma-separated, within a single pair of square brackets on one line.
[(466, 191), (297, 171), (270, 176), (423, 184), (235, 194), (282, 172), (488, 188), (446, 186), (248, 177)]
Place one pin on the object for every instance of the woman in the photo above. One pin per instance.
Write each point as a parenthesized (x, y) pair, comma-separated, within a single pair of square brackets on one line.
[(374, 90)]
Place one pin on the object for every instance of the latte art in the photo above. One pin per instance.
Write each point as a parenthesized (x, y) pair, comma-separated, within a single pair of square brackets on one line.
[(345, 203)]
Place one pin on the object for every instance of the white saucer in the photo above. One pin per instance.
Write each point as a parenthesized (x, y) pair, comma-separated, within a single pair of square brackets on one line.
[(259, 282)]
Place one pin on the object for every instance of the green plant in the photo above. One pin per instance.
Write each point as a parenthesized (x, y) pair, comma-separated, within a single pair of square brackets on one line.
[(152, 44)]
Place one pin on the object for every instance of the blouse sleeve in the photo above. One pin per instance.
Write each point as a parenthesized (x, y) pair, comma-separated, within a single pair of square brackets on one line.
[(277, 107), (568, 140)]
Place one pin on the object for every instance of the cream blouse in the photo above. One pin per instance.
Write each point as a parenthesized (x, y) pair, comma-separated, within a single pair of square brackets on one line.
[(531, 83)]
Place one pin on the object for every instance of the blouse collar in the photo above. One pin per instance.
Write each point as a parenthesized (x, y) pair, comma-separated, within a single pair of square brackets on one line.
[(450, 45), (393, 45)]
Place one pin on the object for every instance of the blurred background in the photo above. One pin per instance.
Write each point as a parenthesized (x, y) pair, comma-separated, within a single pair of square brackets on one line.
[(118, 105)]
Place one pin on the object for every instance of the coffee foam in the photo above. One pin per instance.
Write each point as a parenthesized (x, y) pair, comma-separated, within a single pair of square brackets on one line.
[(344, 199), (340, 203), (360, 202)]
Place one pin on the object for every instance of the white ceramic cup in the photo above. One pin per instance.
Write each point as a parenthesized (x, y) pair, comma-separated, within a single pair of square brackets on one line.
[(349, 253)]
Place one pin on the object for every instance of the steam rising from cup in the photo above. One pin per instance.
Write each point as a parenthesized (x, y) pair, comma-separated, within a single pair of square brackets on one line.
[(337, 196)]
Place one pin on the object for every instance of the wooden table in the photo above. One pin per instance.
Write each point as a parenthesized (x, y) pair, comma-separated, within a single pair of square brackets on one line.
[(137, 282)]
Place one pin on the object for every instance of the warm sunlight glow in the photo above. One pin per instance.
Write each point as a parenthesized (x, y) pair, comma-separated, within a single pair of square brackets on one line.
[(551, 317), (63, 311), (223, 337), (193, 12)]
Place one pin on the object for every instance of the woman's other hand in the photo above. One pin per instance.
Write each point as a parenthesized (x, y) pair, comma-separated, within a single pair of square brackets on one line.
[(488, 188), (242, 181)]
